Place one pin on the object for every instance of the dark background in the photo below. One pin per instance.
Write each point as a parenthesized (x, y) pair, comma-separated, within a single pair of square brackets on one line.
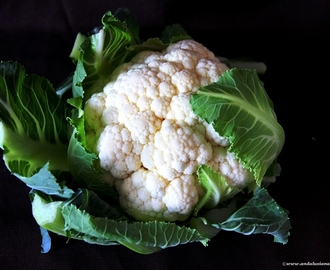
[(289, 36)]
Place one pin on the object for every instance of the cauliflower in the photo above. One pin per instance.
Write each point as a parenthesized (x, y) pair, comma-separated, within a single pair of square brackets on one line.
[(147, 137), (162, 135)]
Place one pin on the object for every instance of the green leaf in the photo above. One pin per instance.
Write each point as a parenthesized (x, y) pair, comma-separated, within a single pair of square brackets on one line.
[(34, 127), (239, 108), (142, 237), (48, 183), (81, 163), (95, 221), (100, 54), (85, 216), (261, 214), (215, 186), (47, 211)]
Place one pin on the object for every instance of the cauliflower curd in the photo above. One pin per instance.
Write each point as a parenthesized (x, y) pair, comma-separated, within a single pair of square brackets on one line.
[(149, 140)]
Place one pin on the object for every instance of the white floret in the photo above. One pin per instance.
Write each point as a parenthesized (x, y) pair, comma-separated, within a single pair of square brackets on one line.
[(209, 70), (137, 200), (191, 45), (226, 163), (118, 153), (180, 110), (186, 81), (236, 175), (143, 126), (160, 106), (176, 150), (187, 58), (146, 195), (181, 195)]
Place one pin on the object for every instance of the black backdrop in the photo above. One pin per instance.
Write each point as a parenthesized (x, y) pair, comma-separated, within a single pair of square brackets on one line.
[(289, 36)]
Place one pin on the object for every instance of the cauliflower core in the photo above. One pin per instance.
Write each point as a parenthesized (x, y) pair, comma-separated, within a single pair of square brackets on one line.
[(147, 137)]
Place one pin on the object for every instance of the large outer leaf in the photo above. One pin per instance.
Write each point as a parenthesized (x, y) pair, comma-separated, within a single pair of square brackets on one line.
[(87, 217), (261, 214), (34, 126), (142, 237), (239, 108)]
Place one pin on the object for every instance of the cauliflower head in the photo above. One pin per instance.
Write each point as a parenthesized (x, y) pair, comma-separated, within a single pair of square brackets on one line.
[(147, 137)]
